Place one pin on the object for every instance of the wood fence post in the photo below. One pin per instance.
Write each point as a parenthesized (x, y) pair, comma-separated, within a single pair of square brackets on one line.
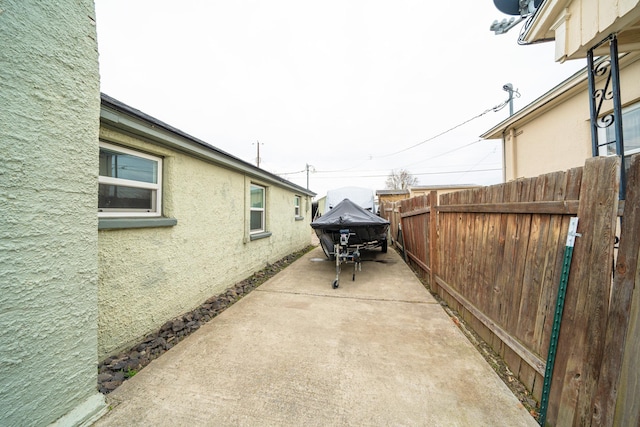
[(433, 239)]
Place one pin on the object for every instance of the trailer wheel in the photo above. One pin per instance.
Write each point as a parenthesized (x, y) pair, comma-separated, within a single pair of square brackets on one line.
[(335, 284), (384, 246)]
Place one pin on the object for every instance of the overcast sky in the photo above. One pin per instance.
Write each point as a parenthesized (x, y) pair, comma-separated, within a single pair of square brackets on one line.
[(352, 88)]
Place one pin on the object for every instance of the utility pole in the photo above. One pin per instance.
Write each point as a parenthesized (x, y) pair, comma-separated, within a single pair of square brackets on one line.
[(509, 88), (307, 167), (257, 144)]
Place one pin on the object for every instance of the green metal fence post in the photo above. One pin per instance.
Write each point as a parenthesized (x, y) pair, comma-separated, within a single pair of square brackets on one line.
[(555, 331)]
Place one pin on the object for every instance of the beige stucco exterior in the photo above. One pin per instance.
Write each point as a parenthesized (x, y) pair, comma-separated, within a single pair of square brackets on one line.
[(553, 133), (150, 275)]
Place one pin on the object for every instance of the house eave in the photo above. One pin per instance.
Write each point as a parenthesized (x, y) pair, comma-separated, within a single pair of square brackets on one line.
[(545, 19), (558, 20), (121, 117)]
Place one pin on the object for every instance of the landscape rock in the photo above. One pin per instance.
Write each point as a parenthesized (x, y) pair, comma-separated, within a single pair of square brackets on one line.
[(104, 377), (178, 325)]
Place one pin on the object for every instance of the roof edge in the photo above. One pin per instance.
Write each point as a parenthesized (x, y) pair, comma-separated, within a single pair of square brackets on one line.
[(160, 132)]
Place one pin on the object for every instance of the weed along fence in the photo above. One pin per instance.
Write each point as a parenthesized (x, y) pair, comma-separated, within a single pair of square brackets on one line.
[(497, 255)]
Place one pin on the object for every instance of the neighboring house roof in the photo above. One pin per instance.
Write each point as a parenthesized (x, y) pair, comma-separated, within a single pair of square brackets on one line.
[(391, 192), (120, 116), (423, 188), (442, 187)]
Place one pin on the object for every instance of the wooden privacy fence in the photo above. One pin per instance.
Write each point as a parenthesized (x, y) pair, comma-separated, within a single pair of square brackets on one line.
[(495, 254)]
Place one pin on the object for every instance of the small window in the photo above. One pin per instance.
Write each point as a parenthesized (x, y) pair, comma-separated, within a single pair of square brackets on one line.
[(296, 206), (129, 183), (257, 215), (630, 131)]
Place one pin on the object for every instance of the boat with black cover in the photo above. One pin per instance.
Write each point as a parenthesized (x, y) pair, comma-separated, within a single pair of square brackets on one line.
[(365, 229)]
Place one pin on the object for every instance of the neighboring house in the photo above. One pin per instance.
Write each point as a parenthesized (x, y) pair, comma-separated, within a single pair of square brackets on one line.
[(419, 190), (578, 118), (554, 132), (423, 190), (387, 196), (180, 221), (578, 26)]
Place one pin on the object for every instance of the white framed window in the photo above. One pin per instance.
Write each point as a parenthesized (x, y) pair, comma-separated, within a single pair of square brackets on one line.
[(296, 206), (630, 131), (257, 210), (129, 183)]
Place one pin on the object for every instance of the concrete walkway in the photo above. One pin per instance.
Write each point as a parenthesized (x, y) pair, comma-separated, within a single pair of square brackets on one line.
[(377, 351)]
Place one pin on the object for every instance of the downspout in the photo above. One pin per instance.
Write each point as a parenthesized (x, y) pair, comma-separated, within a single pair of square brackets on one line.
[(504, 156), (512, 136), (511, 153)]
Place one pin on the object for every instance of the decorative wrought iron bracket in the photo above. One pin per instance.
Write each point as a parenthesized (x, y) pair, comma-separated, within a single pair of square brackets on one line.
[(598, 98)]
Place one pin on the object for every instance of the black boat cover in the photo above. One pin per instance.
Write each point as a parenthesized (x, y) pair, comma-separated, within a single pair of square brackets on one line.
[(347, 214)]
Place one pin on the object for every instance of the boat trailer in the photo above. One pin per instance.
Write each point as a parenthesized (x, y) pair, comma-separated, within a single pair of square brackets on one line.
[(346, 254)]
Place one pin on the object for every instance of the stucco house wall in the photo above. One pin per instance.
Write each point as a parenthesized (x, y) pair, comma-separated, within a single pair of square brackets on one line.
[(149, 275), (49, 110), (558, 139), (553, 132)]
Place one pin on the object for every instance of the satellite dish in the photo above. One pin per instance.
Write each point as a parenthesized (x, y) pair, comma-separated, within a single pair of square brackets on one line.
[(508, 7), (513, 7)]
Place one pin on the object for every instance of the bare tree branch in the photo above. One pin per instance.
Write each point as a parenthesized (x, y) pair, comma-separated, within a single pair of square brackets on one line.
[(400, 180)]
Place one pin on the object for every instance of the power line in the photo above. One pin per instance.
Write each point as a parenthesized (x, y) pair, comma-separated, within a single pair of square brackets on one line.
[(292, 173), (445, 153), (415, 174), (477, 163), (488, 110), (410, 164), (327, 171)]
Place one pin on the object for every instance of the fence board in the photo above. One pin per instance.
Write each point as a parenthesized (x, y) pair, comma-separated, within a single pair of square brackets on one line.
[(581, 333), (496, 249), (565, 207), (525, 191), (433, 236), (604, 401)]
